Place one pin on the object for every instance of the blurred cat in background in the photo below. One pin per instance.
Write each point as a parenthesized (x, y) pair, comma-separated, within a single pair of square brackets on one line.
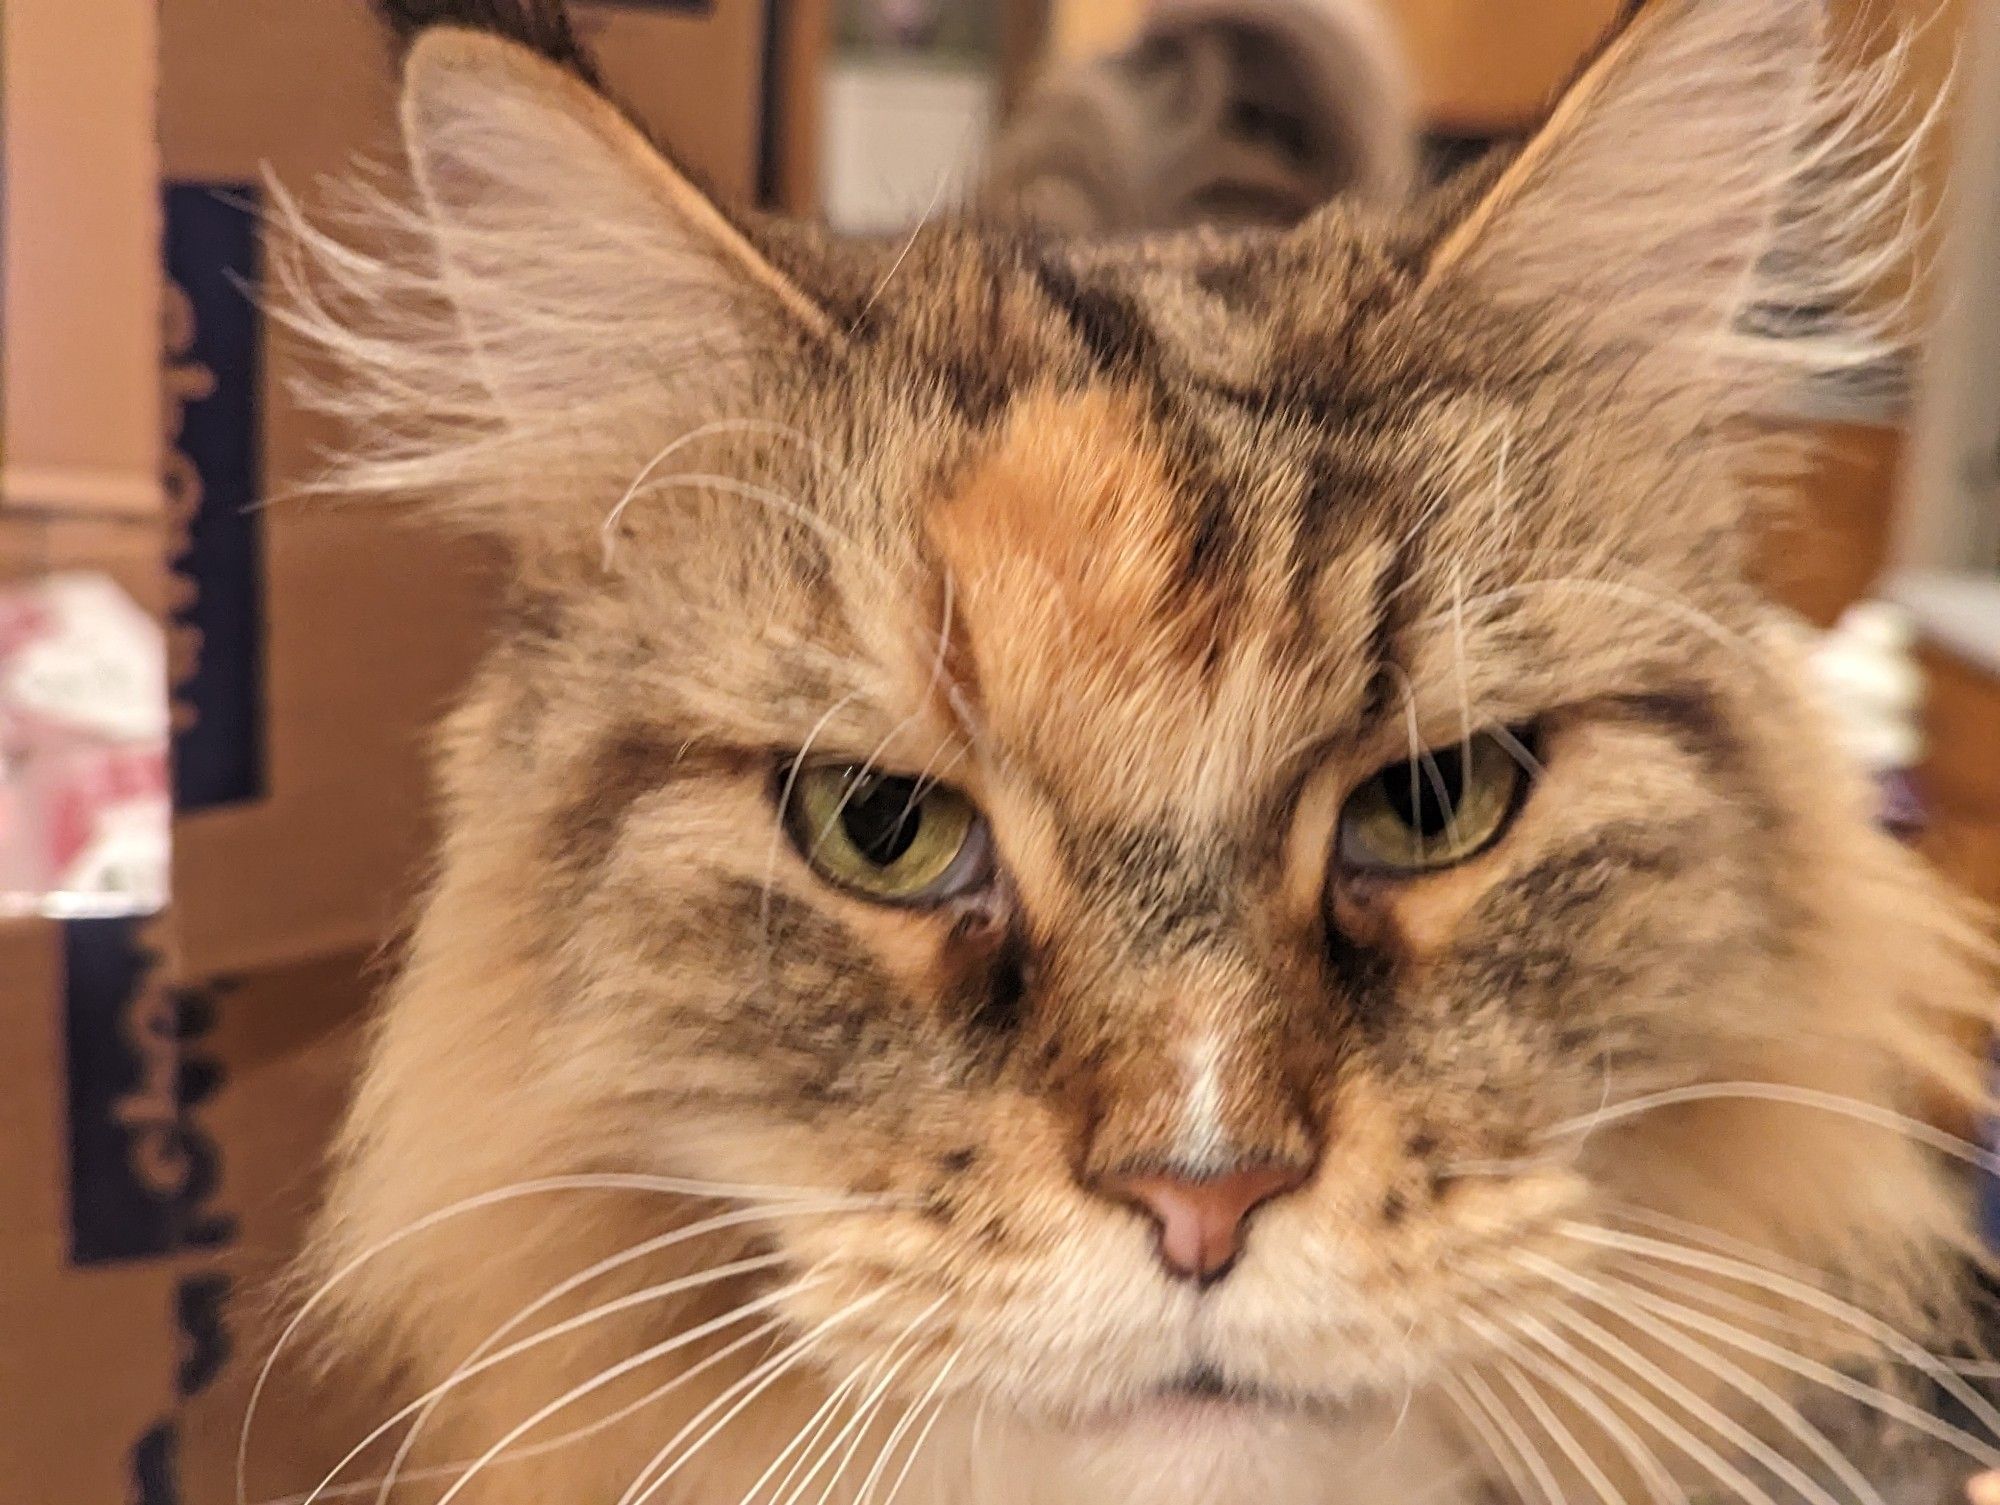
[(1220, 112), (1107, 867)]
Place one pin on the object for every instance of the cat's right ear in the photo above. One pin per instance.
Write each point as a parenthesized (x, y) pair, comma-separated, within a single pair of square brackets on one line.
[(573, 252), (511, 344)]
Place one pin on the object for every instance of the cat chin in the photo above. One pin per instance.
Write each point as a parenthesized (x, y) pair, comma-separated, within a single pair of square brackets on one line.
[(1221, 1420), (1191, 1450)]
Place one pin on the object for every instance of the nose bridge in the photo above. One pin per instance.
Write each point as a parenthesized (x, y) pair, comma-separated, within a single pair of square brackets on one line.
[(1196, 1085), (1181, 1021)]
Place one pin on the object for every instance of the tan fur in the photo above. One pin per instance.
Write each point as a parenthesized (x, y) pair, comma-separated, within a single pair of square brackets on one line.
[(1155, 552)]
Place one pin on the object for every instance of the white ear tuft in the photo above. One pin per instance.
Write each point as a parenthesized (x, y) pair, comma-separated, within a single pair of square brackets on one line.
[(556, 291), (546, 202), (1708, 166)]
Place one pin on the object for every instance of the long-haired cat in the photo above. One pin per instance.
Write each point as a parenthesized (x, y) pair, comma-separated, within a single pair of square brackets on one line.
[(1172, 869), (1217, 112)]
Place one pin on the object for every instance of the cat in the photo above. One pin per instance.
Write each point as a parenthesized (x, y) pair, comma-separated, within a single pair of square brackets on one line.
[(1169, 868), (1218, 112)]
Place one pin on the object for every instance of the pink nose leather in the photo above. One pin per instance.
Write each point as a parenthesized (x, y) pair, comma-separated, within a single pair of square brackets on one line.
[(1202, 1220)]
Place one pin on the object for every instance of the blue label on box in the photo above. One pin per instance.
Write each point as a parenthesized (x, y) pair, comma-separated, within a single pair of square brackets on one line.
[(154, 1466), (143, 1173), (214, 486)]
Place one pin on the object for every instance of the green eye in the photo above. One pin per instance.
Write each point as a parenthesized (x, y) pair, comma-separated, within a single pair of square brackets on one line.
[(886, 837), (1449, 804)]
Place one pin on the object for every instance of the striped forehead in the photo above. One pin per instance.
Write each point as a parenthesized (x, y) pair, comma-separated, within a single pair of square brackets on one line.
[(1100, 629)]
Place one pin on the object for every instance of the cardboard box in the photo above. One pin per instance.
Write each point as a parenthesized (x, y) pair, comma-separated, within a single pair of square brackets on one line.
[(1486, 67), (163, 1144), (168, 1083), (79, 280), (1478, 67), (88, 1358)]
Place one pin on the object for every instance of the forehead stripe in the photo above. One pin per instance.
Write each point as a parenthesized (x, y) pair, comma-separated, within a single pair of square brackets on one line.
[(1110, 324)]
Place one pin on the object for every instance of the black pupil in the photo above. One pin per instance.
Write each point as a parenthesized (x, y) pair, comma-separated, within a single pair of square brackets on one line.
[(1426, 792), (881, 818)]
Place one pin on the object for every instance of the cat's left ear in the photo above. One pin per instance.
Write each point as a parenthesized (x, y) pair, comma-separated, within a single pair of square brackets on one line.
[(1649, 204), (572, 251)]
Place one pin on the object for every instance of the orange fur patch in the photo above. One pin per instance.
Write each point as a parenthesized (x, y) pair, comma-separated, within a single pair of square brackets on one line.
[(1066, 546)]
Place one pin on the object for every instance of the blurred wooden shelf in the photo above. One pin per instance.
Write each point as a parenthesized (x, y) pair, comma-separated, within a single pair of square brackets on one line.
[(1830, 531), (1961, 772)]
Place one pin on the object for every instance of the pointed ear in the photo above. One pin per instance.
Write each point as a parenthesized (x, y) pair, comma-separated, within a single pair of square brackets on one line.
[(1649, 199), (573, 253), (510, 348)]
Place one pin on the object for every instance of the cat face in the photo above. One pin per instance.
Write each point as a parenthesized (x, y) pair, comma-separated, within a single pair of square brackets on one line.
[(1136, 684), (1176, 779)]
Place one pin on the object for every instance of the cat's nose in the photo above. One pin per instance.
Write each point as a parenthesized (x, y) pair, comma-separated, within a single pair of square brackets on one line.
[(1203, 1219)]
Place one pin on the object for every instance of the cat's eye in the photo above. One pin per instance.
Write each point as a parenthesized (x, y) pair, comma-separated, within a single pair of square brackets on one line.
[(886, 837), (1439, 808)]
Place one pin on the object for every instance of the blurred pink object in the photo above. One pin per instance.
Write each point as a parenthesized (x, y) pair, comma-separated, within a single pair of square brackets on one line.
[(84, 796)]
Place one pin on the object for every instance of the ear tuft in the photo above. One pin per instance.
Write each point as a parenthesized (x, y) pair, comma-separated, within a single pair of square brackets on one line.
[(531, 177), (1711, 164), (554, 295)]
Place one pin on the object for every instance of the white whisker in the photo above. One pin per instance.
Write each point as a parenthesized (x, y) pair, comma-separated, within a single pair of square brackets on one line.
[(763, 1379), (542, 1186), (784, 800), (1669, 1428), (856, 1430), (589, 1387), (607, 531), (802, 1440), (1887, 1119), (778, 502), (1531, 1457), (930, 1398), (1872, 1396), (1659, 1483), (902, 1427), (1813, 1299), (1565, 1440), (426, 1402), (604, 1267), (1734, 1375), (1750, 1311), (1506, 1458), (600, 1425)]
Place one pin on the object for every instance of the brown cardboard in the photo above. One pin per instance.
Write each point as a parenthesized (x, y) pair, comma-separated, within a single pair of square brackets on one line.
[(369, 624), (128, 1377), (144, 1214), (1477, 66), (79, 268), (1487, 66), (128, 549), (366, 626), (668, 70), (88, 1360)]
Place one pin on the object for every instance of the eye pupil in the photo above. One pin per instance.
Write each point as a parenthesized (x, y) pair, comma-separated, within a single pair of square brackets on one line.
[(882, 817), (1440, 807), (887, 837), (1426, 794)]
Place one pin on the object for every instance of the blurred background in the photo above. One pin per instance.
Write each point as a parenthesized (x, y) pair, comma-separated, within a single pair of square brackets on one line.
[(214, 696)]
